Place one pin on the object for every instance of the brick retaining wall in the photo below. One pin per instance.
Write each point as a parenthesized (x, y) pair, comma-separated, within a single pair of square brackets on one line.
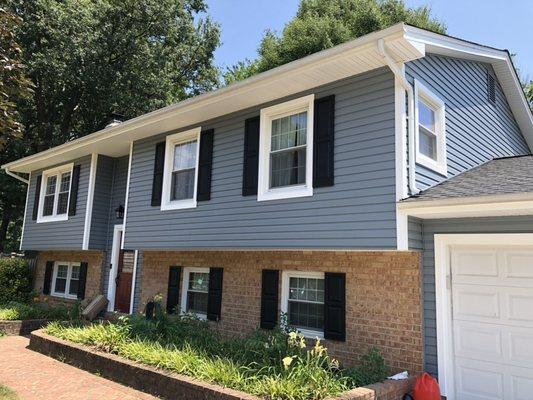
[(173, 386), (18, 327)]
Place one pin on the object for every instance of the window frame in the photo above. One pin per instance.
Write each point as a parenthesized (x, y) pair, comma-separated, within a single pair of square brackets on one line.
[(284, 306), (185, 289), (170, 146), (70, 265), (57, 172), (440, 165), (264, 192)]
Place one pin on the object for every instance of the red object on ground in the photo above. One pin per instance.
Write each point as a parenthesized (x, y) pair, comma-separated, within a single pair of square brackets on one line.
[(426, 388)]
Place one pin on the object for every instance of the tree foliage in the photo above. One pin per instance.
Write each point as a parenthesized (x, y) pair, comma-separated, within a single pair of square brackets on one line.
[(14, 85), (321, 24), (528, 89)]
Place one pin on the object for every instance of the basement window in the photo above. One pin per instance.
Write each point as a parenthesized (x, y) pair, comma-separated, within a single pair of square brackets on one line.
[(195, 291), (430, 130)]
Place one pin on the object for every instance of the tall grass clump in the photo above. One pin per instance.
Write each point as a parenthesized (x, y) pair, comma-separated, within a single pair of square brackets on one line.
[(277, 365), (14, 310)]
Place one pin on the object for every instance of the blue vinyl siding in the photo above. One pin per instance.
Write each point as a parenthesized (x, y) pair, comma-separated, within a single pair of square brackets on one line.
[(102, 196), (518, 224), (61, 235), (117, 198), (357, 212), (476, 130)]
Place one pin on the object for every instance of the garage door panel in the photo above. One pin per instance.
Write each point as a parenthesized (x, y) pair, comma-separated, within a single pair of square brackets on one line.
[(476, 302), (478, 341), (468, 262), (479, 381), (519, 265), (520, 347), (521, 386), (520, 306)]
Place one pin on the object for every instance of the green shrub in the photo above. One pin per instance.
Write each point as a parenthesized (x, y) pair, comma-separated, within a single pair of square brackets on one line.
[(275, 364), (15, 280), (23, 311)]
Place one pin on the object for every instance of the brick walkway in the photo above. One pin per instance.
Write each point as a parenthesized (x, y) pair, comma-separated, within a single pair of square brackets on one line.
[(37, 377)]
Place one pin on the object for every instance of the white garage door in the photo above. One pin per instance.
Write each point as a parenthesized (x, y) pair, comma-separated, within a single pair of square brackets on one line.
[(492, 321)]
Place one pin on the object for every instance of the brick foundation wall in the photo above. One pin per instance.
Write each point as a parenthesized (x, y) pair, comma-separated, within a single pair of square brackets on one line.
[(94, 284), (383, 289)]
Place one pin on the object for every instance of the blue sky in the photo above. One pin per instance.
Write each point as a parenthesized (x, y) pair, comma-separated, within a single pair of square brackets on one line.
[(506, 24)]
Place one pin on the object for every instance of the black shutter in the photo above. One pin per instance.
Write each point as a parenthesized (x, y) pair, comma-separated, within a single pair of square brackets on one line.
[(159, 166), (48, 272), (205, 164), (214, 297), (37, 197), (74, 190), (83, 280), (251, 157), (173, 292), (269, 298), (324, 134), (335, 306)]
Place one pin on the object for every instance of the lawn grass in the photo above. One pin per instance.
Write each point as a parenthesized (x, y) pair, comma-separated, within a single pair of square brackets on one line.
[(7, 394), (274, 365), (23, 311)]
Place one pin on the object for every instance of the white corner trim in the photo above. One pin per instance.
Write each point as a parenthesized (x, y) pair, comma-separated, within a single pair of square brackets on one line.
[(402, 230), (127, 197), (25, 212), (171, 142), (284, 304), (443, 291), (90, 201), (437, 105), (45, 174), (134, 276), (185, 285), (400, 128), (264, 192)]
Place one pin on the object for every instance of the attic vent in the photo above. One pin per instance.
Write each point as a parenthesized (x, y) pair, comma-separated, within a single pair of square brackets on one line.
[(491, 88)]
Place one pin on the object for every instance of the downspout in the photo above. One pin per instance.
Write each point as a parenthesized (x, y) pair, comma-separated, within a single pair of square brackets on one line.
[(400, 75), (20, 178)]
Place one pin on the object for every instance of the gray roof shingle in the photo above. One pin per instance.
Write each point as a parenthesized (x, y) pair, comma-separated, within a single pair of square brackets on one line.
[(498, 176)]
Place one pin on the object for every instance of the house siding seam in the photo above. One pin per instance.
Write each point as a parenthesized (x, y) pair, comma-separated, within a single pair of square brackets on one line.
[(427, 229), (357, 212), (66, 235), (476, 130)]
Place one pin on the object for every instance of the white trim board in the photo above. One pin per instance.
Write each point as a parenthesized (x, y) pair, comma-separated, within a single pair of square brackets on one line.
[(127, 196), (443, 243), (115, 251), (90, 201)]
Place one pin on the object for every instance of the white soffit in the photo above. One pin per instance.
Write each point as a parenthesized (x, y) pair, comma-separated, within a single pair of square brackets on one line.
[(349, 59)]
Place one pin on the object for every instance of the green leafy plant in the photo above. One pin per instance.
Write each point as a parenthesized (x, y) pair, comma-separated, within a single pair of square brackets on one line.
[(277, 364), (23, 311), (15, 280)]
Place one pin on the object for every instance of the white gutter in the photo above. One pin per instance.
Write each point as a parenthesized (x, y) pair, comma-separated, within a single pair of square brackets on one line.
[(20, 178), (400, 74)]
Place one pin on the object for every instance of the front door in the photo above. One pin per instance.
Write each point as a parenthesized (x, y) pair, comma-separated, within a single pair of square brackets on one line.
[(123, 281)]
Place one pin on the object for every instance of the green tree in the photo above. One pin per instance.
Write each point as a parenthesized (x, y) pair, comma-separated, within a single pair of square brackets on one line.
[(89, 58), (528, 89), (321, 24), (14, 85)]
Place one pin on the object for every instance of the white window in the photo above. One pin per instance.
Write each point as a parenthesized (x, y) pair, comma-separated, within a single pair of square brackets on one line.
[(55, 194), (286, 150), (302, 300), (65, 279), (195, 290), (430, 130), (181, 170)]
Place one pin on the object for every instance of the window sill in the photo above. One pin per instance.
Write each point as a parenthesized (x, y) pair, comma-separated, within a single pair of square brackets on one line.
[(64, 296), (311, 334), (53, 218), (285, 193), (440, 168), (179, 205)]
